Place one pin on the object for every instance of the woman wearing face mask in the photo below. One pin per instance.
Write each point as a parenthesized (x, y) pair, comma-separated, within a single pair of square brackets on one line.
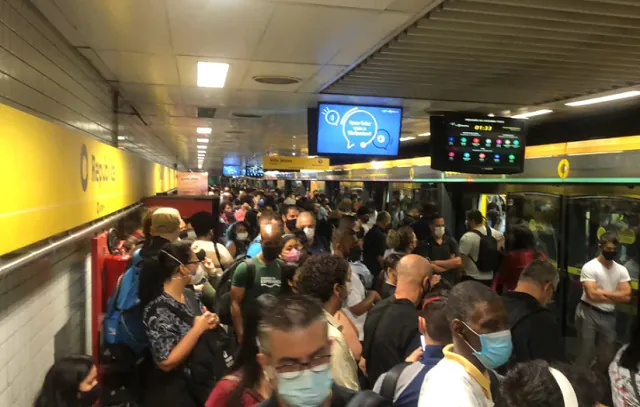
[(171, 336), (481, 343), (327, 278), (292, 249), (247, 385), (238, 239), (71, 382)]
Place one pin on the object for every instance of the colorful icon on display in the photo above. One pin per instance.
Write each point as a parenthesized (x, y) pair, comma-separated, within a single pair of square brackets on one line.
[(512, 157), (507, 142), (482, 156), (466, 156), (498, 142), (516, 143), (496, 156), (476, 140), (463, 141), (488, 141), (452, 154)]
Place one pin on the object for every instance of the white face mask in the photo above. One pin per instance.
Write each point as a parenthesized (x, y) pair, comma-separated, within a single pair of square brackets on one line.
[(242, 236), (310, 233), (199, 276), (439, 231)]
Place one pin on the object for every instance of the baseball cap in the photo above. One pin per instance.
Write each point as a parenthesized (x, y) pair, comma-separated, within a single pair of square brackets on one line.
[(165, 220)]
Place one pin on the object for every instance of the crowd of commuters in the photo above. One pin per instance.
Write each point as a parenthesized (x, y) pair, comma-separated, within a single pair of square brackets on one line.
[(286, 300)]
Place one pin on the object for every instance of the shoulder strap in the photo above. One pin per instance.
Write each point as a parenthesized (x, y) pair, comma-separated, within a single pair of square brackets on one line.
[(390, 381), (488, 228), (215, 246), (634, 384)]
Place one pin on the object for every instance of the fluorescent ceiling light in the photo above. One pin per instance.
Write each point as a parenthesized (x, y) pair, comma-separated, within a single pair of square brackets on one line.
[(491, 115), (212, 74), (532, 114), (427, 134), (202, 140), (203, 130), (602, 99), (121, 138), (201, 155), (293, 154), (407, 138), (201, 147)]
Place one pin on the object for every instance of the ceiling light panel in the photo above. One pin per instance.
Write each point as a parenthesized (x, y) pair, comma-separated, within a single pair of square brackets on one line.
[(202, 140), (532, 114), (212, 74), (203, 130), (604, 99)]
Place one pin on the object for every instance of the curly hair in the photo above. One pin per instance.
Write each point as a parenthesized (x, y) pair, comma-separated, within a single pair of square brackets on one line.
[(320, 273)]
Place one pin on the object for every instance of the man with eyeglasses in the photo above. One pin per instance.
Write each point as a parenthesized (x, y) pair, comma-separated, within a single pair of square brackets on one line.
[(535, 333), (295, 354)]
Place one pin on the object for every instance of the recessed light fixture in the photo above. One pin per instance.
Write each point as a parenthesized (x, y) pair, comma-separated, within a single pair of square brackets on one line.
[(293, 154), (276, 80), (201, 147), (407, 138), (202, 140), (121, 138), (203, 130), (212, 74), (246, 115), (427, 134), (532, 114), (602, 99), (491, 115)]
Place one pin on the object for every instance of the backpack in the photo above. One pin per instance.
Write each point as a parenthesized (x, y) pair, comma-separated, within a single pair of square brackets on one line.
[(488, 254), (123, 321), (390, 381), (223, 288), (367, 398)]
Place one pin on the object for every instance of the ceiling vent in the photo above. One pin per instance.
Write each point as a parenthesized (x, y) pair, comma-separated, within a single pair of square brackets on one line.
[(206, 112), (235, 132), (276, 80), (246, 115)]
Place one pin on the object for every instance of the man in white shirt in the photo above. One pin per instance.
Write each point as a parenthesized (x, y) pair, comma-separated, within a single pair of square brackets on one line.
[(481, 343), (604, 284), (470, 247)]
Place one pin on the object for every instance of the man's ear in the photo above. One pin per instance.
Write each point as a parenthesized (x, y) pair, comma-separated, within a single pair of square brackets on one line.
[(422, 325), (261, 358), (457, 327)]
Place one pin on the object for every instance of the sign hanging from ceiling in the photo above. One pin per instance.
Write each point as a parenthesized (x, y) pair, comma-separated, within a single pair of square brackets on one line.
[(282, 163), (193, 183)]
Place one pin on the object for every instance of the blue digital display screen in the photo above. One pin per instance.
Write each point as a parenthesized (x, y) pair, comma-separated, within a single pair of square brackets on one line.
[(255, 171), (359, 130), (231, 170)]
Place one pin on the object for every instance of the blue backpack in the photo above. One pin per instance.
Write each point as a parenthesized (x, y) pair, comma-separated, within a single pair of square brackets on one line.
[(123, 321)]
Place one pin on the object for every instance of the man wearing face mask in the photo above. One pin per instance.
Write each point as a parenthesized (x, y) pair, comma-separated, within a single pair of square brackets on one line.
[(295, 353), (442, 250), (265, 277), (307, 222), (605, 283), (391, 329), (528, 316), (290, 215), (327, 278), (481, 343)]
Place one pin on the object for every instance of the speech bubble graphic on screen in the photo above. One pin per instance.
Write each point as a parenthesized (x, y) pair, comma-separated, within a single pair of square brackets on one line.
[(382, 139), (359, 127)]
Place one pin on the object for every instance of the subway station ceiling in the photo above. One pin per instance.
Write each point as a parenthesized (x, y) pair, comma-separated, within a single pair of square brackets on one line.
[(491, 56)]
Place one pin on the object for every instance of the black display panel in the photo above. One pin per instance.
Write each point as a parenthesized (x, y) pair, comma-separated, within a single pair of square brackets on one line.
[(477, 144), (255, 171)]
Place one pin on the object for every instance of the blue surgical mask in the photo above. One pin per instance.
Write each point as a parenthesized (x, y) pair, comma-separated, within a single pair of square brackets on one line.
[(496, 348), (309, 389)]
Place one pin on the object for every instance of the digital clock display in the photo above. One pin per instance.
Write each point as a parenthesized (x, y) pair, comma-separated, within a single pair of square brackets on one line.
[(477, 144)]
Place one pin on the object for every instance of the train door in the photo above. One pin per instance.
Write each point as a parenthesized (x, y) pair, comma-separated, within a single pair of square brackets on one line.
[(588, 217)]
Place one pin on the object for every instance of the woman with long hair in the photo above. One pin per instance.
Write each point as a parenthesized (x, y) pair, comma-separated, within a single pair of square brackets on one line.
[(172, 337), (71, 382), (521, 250), (247, 386), (238, 238)]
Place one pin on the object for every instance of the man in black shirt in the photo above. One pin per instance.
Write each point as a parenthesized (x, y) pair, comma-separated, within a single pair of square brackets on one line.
[(442, 250), (535, 333), (375, 243), (295, 354), (391, 329)]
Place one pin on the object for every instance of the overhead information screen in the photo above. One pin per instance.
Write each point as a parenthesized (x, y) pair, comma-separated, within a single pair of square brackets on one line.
[(231, 170), (255, 171), (358, 130), (477, 144)]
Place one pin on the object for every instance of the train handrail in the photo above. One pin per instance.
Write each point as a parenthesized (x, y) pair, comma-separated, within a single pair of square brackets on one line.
[(43, 251)]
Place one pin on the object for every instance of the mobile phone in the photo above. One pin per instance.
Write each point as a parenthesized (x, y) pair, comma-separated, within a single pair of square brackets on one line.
[(423, 342)]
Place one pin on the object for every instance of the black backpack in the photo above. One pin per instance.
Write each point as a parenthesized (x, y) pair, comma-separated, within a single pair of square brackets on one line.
[(223, 289), (488, 255), (367, 398), (390, 381)]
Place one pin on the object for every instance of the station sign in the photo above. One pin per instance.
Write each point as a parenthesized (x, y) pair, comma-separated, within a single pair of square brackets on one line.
[(55, 179), (284, 163)]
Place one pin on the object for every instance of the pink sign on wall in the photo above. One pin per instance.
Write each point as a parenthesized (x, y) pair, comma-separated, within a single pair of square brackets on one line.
[(193, 183)]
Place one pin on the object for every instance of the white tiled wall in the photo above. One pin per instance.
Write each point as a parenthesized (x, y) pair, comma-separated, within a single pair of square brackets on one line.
[(43, 314)]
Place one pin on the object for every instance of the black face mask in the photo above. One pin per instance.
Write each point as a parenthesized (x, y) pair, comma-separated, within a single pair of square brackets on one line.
[(270, 253), (355, 254), (89, 398), (291, 224), (610, 255)]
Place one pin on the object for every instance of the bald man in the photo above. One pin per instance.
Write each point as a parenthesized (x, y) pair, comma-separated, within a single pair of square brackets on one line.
[(391, 330)]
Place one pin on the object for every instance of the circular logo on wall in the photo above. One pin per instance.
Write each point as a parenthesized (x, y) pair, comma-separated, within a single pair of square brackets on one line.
[(84, 167)]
